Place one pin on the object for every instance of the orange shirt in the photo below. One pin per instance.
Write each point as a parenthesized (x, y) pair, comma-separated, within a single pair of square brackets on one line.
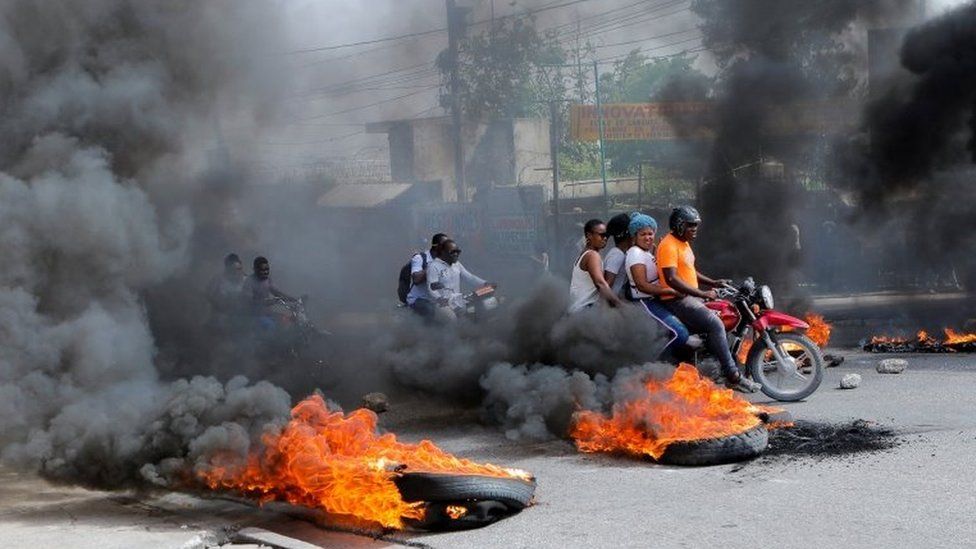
[(672, 252)]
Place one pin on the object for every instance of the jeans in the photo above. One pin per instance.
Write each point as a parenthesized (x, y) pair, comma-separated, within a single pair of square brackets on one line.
[(701, 320), (679, 332)]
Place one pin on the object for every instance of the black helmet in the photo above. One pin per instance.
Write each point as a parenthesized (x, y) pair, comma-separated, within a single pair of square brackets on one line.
[(682, 215)]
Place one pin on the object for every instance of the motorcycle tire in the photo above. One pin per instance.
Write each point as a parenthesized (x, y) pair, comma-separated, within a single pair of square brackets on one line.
[(716, 451), (754, 363), (516, 494)]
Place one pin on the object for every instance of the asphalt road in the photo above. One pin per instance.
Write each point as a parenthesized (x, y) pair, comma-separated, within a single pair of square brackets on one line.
[(919, 494)]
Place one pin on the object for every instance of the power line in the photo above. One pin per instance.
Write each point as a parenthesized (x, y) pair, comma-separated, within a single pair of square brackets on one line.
[(427, 32)]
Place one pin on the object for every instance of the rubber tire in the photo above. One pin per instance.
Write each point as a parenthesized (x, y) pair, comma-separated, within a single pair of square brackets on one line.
[(753, 363), (715, 451), (444, 487)]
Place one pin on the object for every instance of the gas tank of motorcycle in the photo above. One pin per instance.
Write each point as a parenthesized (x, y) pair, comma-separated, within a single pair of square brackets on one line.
[(726, 312)]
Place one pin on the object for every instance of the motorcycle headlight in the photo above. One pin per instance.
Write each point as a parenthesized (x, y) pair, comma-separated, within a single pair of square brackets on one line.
[(766, 297)]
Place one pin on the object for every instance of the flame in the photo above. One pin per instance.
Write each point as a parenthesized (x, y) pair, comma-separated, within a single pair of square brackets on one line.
[(952, 342), (819, 330), (953, 337), (685, 407), (456, 511), (338, 462)]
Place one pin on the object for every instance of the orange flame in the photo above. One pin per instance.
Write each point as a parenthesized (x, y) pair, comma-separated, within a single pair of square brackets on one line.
[(338, 462), (819, 330), (685, 407), (953, 337)]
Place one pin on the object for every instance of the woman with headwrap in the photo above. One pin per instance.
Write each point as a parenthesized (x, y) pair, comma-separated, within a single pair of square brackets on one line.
[(643, 278)]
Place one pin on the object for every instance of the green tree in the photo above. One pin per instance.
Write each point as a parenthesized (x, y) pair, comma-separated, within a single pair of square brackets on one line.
[(509, 70)]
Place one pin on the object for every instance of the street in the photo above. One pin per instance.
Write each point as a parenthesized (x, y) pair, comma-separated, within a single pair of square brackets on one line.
[(916, 494)]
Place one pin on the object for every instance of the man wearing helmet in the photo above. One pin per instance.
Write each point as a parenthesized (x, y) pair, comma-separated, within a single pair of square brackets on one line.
[(676, 266)]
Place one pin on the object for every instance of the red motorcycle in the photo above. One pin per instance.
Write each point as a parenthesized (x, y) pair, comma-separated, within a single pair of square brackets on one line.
[(787, 363)]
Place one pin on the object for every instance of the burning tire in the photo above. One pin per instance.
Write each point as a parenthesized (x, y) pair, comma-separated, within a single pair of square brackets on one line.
[(715, 451), (440, 487), (460, 502), (787, 384)]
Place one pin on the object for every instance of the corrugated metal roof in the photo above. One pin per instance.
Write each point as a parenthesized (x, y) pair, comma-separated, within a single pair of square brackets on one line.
[(362, 195)]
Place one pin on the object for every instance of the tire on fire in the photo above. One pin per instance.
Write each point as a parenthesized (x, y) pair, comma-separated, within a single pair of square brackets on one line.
[(443, 487), (715, 451), (484, 499)]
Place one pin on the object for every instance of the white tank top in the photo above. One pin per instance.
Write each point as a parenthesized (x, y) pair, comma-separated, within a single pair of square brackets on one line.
[(582, 290)]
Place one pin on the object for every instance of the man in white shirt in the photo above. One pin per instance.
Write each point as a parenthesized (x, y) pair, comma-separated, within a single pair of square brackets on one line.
[(419, 299), (444, 277)]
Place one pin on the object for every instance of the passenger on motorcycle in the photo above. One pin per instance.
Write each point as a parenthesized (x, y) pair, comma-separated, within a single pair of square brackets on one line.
[(587, 283), (676, 265), (419, 299), (642, 275), (224, 290), (259, 293), (444, 277), (613, 264)]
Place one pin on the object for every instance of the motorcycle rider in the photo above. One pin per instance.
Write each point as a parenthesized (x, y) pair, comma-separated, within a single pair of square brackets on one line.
[(613, 263), (676, 267), (419, 299), (224, 290), (642, 276), (259, 292), (587, 283), (444, 277)]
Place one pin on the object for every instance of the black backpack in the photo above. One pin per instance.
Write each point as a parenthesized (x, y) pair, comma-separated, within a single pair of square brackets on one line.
[(405, 281)]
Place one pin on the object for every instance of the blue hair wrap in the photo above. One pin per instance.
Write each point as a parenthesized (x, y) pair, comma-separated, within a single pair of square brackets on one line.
[(641, 221)]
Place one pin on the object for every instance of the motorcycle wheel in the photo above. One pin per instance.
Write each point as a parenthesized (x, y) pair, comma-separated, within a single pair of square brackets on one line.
[(786, 384)]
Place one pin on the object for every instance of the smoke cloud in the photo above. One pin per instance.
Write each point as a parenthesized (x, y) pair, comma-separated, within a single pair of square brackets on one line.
[(106, 105)]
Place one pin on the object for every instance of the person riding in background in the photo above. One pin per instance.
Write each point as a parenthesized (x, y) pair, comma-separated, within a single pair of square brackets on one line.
[(676, 266), (613, 263), (587, 283), (419, 299), (642, 275), (224, 290), (259, 292), (444, 277)]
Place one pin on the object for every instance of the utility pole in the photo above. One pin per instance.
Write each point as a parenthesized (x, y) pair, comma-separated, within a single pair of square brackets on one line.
[(603, 159), (554, 136), (455, 24)]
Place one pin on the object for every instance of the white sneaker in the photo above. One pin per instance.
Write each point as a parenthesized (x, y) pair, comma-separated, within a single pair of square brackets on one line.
[(694, 341), (746, 385)]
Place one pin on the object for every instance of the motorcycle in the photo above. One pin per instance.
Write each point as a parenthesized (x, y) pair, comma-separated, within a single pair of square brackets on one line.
[(293, 333), (788, 364)]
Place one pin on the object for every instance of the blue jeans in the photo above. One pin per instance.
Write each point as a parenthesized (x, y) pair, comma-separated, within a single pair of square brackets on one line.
[(674, 326)]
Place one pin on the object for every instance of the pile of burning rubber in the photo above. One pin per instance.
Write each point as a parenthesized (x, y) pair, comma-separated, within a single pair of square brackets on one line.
[(684, 420), (338, 463), (953, 342)]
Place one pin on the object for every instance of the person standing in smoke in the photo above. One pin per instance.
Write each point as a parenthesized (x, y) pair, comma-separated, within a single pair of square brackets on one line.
[(642, 276), (418, 299), (587, 283), (676, 266), (444, 277), (613, 263), (260, 292)]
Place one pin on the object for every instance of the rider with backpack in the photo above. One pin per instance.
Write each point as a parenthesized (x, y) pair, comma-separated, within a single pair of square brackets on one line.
[(412, 282)]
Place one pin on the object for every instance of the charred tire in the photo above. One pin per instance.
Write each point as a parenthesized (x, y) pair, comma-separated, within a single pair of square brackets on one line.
[(715, 451), (440, 487), (754, 362)]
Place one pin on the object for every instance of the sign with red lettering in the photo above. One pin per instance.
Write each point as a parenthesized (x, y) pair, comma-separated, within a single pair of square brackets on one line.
[(695, 120)]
